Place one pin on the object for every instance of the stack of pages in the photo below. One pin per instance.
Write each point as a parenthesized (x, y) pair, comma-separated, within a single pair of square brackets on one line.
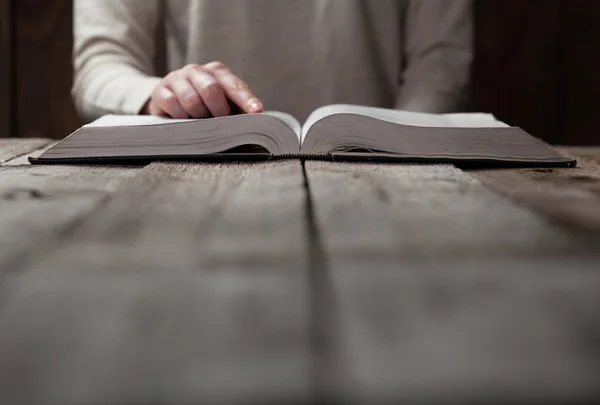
[(336, 132)]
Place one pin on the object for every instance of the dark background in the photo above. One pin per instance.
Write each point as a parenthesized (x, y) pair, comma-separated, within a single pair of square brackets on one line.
[(537, 65)]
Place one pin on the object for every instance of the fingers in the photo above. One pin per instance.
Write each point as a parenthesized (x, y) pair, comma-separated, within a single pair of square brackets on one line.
[(164, 100), (187, 96), (210, 91), (235, 89), (202, 91)]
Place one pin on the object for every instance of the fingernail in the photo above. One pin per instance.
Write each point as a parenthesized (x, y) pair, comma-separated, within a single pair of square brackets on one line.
[(256, 106)]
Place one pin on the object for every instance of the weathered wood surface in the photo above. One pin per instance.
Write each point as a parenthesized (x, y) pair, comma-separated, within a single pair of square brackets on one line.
[(569, 197), (38, 203), (22, 159), (270, 282), (188, 284), (13, 148), (440, 290)]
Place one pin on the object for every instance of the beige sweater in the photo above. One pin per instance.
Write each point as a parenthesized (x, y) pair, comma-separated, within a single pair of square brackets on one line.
[(296, 55)]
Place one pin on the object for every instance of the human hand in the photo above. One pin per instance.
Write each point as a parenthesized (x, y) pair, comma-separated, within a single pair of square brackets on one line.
[(201, 91)]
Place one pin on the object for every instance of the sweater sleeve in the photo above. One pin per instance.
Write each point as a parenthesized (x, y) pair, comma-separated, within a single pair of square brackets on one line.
[(439, 51), (113, 55)]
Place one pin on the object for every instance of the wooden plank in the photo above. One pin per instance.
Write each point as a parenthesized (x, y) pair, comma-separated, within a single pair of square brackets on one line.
[(568, 197), (14, 148), (189, 286), (23, 159), (44, 37), (438, 290), (37, 203), (585, 152), (6, 74), (424, 206)]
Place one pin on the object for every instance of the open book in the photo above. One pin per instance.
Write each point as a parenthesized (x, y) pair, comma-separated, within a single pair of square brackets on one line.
[(342, 132)]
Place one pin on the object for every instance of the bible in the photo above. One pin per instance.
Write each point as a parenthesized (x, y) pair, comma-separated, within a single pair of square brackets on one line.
[(336, 132)]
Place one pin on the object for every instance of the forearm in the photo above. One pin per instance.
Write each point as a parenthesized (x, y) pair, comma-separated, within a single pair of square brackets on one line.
[(113, 55), (111, 88)]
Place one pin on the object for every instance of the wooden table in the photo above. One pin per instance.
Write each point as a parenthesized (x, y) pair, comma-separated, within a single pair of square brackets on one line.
[(284, 282)]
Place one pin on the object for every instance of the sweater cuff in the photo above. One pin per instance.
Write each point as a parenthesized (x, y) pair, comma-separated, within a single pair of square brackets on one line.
[(140, 93)]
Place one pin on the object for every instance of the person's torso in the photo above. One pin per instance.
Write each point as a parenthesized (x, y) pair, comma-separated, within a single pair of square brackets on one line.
[(296, 55)]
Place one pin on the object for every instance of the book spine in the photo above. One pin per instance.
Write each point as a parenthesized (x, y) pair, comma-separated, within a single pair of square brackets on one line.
[(303, 156)]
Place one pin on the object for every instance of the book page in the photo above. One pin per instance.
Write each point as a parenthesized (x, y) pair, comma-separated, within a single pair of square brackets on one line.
[(395, 116), (465, 120), (289, 120), (144, 120), (467, 137), (132, 121), (475, 120), (146, 136)]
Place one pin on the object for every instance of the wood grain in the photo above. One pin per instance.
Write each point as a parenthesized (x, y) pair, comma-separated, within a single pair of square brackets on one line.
[(43, 69), (568, 197), (14, 148), (23, 159), (203, 283), (5, 69), (188, 286), (441, 291), (37, 204)]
